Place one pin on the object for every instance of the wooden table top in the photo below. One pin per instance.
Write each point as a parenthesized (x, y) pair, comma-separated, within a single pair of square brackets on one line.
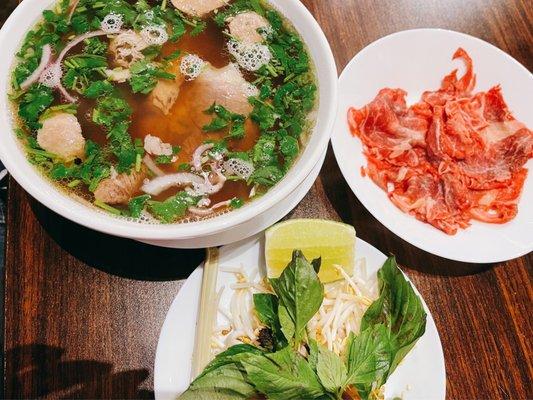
[(83, 310)]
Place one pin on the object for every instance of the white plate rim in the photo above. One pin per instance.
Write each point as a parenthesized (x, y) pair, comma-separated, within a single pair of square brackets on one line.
[(166, 347), (340, 127)]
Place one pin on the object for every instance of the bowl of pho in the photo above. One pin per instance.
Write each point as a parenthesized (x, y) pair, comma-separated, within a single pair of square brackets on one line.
[(166, 121)]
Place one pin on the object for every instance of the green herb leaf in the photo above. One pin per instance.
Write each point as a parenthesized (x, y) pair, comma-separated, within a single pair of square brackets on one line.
[(331, 371), (289, 148), (110, 111), (98, 89), (33, 103), (264, 151), (136, 205), (267, 176), (399, 309), (266, 306), (284, 375), (368, 357), (300, 291), (95, 46), (224, 378), (223, 119), (236, 203), (225, 383), (173, 208), (63, 108), (144, 76)]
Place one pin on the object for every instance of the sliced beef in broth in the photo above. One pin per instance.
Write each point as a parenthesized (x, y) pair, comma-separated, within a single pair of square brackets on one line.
[(246, 27), (198, 8), (119, 189)]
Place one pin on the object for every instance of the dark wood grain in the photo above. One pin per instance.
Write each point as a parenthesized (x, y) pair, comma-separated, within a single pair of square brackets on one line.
[(83, 311)]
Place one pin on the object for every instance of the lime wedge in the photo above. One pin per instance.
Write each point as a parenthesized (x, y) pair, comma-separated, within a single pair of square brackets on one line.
[(333, 241)]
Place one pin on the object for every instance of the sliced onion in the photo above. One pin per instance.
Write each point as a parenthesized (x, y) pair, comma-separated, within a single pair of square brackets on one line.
[(160, 184), (66, 94), (197, 155), (152, 166), (73, 7), (62, 55), (204, 212), (78, 40), (45, 60)]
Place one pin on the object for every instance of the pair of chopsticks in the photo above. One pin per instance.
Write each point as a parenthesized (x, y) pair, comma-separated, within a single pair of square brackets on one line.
[(207, 314)]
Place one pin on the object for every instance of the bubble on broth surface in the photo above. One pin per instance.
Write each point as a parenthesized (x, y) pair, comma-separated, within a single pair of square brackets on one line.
[(241, 168), (112, 23), (191, 66), (51, 76), (155, 35), (250, 90), (249, 56)]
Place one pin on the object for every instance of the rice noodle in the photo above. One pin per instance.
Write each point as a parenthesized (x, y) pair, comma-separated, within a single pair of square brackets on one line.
[(204, 212), (161, 183), (206, 187), (152, 166), (45, 60)]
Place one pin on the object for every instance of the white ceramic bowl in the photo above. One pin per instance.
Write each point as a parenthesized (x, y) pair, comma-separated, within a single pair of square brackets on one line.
[(11, 154)]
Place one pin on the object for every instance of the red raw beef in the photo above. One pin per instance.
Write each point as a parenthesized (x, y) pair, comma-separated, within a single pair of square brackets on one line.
[(452, 157)]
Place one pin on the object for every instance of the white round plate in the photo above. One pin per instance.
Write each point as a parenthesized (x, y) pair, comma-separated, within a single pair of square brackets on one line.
[(421, 375), (416, 61)]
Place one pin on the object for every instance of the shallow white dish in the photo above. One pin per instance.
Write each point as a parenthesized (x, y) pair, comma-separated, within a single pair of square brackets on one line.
[(421, 375), (416, 61), (11, 36)]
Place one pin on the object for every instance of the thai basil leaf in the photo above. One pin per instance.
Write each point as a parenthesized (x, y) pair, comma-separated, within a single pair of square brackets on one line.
[(331, 371), (399, 309), (230, 356), (300, 291), (225, 383), (368, 357), (287, 324), (284, 375), (266, 306)]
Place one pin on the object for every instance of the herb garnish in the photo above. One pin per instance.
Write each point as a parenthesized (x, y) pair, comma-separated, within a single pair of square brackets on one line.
[(224, 119), (391, 327)]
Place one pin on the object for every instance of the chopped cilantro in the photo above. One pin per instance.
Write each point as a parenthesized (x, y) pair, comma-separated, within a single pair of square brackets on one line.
[(168, 159), (223, 119), (98, 89), (107, 207), (144, 76), (236, 203), (136, 205), (289, 147), (184, 167), (267, 176), (33, 103), (264, 151), (91, 171), (123, 147), (110, 111), (173, 56), (82, 70), (173, 208), (95, 46)]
